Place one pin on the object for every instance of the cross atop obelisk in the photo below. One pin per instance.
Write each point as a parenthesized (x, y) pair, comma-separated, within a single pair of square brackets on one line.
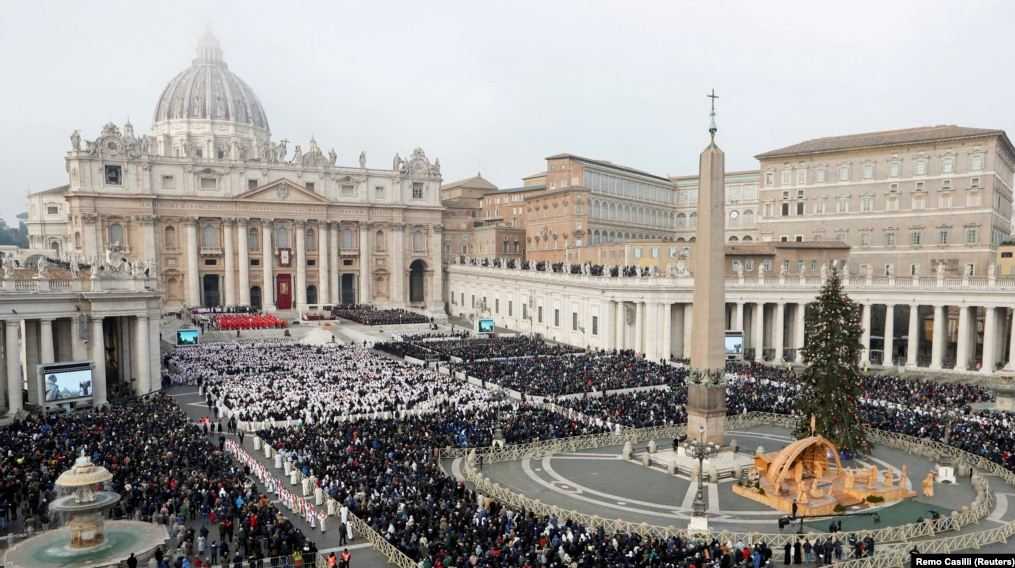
[(712, 128)]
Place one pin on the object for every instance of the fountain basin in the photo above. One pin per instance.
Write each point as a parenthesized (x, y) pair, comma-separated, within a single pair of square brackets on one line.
[(51, 549)]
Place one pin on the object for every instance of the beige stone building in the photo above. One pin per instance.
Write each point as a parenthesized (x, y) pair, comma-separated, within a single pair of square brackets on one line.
[(905, 201), (1006, 259), (480, 220), (232, 218), (742, 206)]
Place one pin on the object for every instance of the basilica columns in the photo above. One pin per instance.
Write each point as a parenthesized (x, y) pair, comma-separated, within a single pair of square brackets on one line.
[(301, 266), (193, 289), (333, 259), (639, 324), (267, 262), (99, 358), (230, 265), (46, 341), (244, 262), (938, 340), (12, 355), (865, 337), (142, 360), (398, 253), (666, 322), (619, 325), (738, 317), (436, 255), (363, 297), (962, 347), (323, 264)]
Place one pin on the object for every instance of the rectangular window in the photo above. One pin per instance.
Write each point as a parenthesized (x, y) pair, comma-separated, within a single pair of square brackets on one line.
[(919, 202), (637, 252), (251, 184), (311, 262), (798, 238), (209, 183), (893, 169), (595, 325), (974, 182), (889, 270), (948, 165), (914, 238), (787, 177), (255, 262), (525, 311), (914, 269), (801, 177), (539, 314), (168, 182), (473, 300), (946, 184), (310, 186), (379, 192), (868, 171), (348, 262), (784, 239), (942, 236), (574, 321), (52, 210), (843, 173), (799, 208), (972, 236), (417, 190), (819, 175), (556, 317), (800, 266), (510, 308), (867, 203), (921, 167), (114, 175), (210, 262), (890, 239), (865, 239), (785, 209), (976, 162), (970, 269), (785, 266), (496, 305), (655, 252), (348, 190)]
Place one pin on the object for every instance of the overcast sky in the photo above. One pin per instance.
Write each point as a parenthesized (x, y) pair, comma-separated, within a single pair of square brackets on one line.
[(497, 86)]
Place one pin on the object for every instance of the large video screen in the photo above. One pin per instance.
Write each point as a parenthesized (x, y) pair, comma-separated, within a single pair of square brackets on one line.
[(486, 326), (59, 384), (187, 336), (734, 344)]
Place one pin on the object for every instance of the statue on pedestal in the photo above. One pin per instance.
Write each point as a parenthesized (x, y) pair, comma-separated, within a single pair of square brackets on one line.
[(75, 140)]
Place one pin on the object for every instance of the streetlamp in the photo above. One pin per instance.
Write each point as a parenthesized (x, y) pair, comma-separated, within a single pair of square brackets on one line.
[(700, 450)]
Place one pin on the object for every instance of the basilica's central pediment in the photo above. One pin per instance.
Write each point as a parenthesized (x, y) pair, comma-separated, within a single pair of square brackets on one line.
[(281, 190)]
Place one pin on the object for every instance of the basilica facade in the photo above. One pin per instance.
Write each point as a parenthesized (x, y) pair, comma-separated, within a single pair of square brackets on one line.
[(232, 217)]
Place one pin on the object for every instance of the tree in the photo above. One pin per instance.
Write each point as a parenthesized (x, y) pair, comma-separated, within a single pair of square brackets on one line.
[(830, 386)]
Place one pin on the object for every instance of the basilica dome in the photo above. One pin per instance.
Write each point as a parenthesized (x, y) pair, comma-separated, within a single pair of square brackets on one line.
[(208, 90)]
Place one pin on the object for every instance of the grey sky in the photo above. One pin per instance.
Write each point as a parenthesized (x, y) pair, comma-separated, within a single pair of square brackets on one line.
[(497, 86)]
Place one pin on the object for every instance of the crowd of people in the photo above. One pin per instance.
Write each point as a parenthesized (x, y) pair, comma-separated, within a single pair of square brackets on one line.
[(314, 383), (166, 469), (232, 322), (367, 314), (585, 372), (616, 271)]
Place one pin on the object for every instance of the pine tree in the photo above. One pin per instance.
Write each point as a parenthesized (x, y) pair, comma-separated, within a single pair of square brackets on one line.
[(830, 386)]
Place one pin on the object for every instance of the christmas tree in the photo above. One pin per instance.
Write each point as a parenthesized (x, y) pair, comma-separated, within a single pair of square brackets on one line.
[(830, 386)]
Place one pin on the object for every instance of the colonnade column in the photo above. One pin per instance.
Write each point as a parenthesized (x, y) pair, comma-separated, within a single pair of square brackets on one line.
[(758, 337), (800, 330), (913, 343), (688, 329), (989, 339), (267, 263), (962, 347), (323, 264), (99, 357), (336, 294), (865, 337), (780, 326), (142, 361), (937, 347), (738, 317), (639, 324), (12, 353), (193, 290), (667, 333), (79, 348), (230, 263), (244, 263), (363, 296), (46, 341), (677, 334), (301, 265), (1011, 341), (889, 344), (619, 326)]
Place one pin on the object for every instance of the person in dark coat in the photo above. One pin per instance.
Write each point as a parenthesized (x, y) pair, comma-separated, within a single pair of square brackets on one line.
[(786, 554), (797, 556)]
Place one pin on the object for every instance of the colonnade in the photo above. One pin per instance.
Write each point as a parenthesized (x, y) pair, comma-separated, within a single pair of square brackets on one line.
[(115, 344)]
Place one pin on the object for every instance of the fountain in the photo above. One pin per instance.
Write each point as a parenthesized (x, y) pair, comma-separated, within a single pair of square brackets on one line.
[(87, 540)]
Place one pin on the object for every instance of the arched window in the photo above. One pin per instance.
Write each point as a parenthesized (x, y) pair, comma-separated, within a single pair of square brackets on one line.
[(747, 218), (379, 241), (734, 218), (281, 236), (733, 239), (748, 238), (418, 241), (252, 239), (117, 238), (210, 236), (311, 242), (170, 238), (681, 220), (692, 220)]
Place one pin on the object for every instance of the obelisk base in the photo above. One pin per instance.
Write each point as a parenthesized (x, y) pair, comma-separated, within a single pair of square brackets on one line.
[(706, 413)]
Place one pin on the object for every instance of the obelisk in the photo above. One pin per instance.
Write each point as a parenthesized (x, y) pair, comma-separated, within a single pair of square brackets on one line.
[(706, 390)]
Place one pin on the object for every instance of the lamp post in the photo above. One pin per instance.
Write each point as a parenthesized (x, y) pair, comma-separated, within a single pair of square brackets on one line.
[(701, 450)]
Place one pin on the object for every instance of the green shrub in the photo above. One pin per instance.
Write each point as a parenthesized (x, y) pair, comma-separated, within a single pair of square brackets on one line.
[(875, 499), (839, 508)]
